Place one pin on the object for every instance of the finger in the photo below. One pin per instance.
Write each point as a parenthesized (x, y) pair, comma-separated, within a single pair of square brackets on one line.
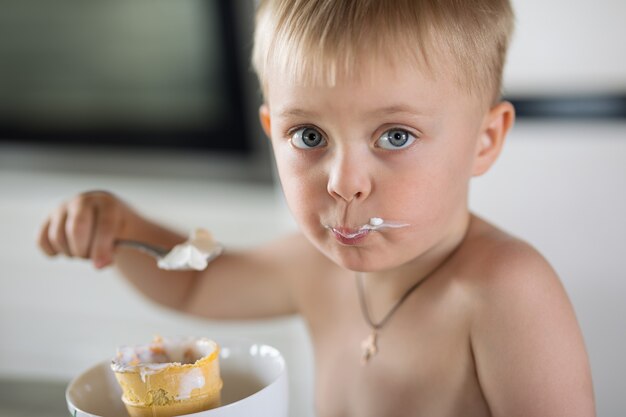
[(43, 241), (104, 237), (79, 227), (56, 232)]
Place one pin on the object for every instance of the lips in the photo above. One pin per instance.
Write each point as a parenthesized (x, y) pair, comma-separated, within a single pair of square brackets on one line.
[(349, 236)]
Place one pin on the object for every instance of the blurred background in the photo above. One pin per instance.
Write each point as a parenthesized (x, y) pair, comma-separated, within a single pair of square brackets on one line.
[(155, 101)]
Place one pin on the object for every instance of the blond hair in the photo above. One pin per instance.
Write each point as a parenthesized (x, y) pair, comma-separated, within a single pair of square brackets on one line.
[(318, 41)]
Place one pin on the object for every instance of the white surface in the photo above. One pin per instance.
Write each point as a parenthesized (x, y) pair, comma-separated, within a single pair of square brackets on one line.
[(565, 46), (255, 384), (559, 186), (562, 187), (58, 317)]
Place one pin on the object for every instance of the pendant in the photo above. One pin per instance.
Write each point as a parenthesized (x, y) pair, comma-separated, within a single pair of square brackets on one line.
[(369, 347)]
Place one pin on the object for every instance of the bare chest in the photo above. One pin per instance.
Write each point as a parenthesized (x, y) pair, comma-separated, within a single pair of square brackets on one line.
[(423, 367)]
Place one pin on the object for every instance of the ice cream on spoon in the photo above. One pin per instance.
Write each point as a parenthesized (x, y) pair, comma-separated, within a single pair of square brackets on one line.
[(193, 254)]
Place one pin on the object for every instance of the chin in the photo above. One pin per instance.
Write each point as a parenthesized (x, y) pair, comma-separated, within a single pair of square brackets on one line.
[(359, 259)]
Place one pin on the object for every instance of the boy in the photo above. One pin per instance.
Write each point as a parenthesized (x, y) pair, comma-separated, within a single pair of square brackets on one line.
[(379, 113)]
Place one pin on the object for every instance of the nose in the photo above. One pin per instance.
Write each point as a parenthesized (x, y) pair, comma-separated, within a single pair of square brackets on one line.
[(349, 177)]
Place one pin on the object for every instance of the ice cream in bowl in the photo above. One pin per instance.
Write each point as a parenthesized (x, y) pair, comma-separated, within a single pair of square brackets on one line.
[(184, 376), (169, 377)]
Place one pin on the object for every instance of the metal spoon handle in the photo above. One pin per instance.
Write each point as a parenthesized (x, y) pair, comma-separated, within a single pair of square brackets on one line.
[(152, 250)]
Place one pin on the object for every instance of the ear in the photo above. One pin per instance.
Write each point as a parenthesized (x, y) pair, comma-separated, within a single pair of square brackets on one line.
[(498, 121), (264, 116)]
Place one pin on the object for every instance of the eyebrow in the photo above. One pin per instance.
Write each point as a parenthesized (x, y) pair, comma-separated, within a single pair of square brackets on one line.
[(389, 110), (296, 112), (395, 109)]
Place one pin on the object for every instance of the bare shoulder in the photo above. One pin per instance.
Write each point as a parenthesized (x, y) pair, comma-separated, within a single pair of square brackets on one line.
[(528, 349), (497, 264)]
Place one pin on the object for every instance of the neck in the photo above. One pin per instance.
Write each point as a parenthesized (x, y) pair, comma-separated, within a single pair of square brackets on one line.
[(384, 288)]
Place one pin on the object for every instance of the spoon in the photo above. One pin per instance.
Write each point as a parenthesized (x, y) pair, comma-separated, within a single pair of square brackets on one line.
[(194, 254), (156, 252)]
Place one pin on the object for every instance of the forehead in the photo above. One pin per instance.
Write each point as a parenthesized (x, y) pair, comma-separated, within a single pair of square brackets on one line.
[(373, 84)]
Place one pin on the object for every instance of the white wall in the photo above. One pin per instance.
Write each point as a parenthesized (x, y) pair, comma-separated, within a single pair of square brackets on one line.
[(565, 46), (562, 187)]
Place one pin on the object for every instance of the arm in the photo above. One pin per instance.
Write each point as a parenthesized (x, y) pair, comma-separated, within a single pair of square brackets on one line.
[(246, 284), (263, 282), (529, 351)]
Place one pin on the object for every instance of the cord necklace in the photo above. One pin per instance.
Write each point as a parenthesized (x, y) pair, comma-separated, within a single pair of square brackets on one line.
[(369, 345)]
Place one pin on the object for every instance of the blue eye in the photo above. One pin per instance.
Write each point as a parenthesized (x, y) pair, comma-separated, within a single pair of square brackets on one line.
[(307, 138), (395, 139)]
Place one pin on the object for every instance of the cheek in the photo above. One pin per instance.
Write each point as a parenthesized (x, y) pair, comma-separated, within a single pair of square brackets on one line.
[(429, 194), (302, 186)]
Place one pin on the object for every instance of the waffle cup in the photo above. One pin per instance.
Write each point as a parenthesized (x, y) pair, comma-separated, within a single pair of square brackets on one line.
[(165, 389)]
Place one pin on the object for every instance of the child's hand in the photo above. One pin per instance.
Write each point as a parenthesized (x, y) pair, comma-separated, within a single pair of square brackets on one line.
[(86, 227)]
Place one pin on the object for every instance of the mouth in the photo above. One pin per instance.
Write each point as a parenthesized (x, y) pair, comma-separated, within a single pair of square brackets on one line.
[(348, 236), (352, 236)]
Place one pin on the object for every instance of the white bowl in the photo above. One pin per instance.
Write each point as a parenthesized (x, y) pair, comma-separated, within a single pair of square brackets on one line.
[(254, 375)]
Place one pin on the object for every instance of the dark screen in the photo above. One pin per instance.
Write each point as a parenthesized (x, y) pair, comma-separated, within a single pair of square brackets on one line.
[(141, 73)]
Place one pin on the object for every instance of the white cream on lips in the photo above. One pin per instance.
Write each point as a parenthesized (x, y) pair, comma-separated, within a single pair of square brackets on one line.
[(375, 223), (378, 223)]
